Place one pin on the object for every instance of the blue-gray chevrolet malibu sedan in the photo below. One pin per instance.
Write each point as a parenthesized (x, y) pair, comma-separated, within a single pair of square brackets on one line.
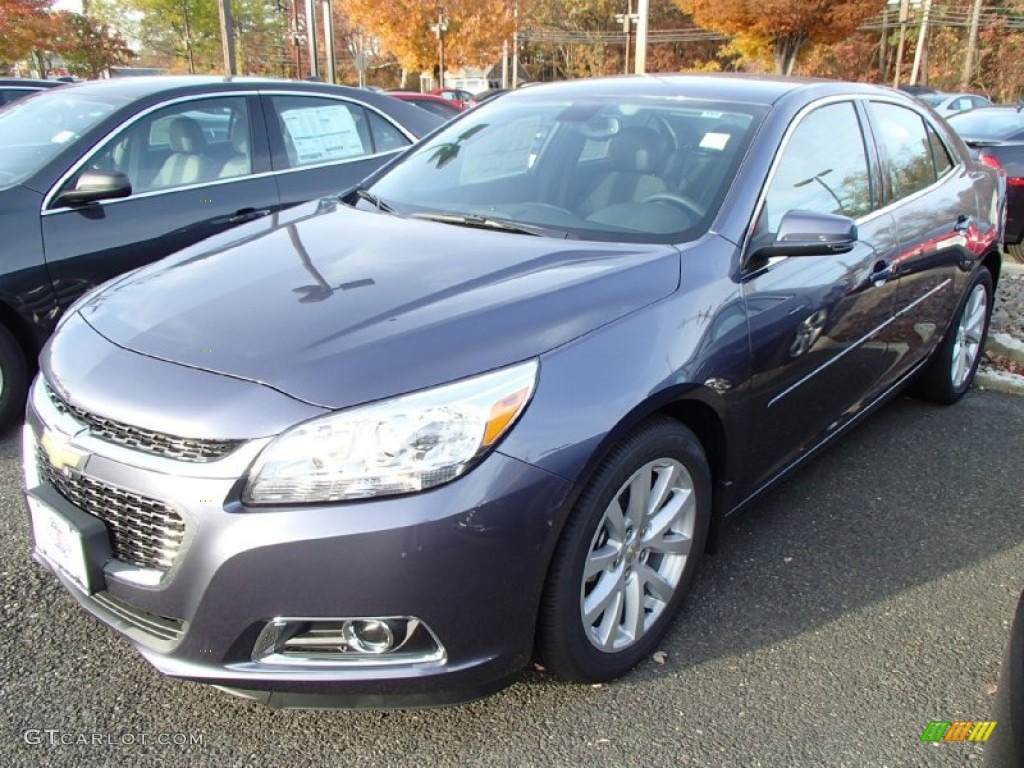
[(494, 403)]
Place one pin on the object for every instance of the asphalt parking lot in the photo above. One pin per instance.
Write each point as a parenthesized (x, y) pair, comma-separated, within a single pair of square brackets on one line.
[(864, 597)]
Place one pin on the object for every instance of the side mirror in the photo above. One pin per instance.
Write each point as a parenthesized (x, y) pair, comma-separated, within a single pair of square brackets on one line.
[(92, 186), (809, 233)]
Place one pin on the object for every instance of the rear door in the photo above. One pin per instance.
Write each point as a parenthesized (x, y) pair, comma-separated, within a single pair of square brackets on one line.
[(936, 212), (322, 145), (198, 167), (817, 322)]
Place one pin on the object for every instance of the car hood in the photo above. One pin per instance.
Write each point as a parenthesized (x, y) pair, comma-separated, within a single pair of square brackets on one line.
[(343, 306)]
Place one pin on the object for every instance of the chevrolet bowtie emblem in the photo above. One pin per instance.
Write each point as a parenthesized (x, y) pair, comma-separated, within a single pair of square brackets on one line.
[(61, 455)]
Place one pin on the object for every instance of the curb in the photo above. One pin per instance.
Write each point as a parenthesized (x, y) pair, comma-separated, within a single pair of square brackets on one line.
[(999, 381), (1005, 345)]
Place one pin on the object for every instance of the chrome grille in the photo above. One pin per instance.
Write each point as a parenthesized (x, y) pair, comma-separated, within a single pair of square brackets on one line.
[(158, 627), (147, 440), (143, 531)]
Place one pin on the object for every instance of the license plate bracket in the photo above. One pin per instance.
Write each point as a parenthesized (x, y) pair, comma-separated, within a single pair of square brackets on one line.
[(71, 541)]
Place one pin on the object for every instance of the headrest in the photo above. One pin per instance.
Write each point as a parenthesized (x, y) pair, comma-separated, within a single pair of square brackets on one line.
[(637, 148), (186, 136), (240, 134)]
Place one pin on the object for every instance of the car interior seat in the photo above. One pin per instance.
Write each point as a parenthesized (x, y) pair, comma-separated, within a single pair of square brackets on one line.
[(637, 155), (240, 163), (187, 163)]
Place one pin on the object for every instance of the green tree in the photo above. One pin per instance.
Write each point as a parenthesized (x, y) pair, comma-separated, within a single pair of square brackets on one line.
[(782, 28)]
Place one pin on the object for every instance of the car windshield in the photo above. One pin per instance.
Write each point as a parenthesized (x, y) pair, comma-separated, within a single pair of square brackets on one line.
[(612, 169), (988, 124), (34, 130)]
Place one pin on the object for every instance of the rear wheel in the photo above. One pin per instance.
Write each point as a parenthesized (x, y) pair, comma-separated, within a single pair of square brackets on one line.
[(952, 368), (627, 555), (1016, 250)]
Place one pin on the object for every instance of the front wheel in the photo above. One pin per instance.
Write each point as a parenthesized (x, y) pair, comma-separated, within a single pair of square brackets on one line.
[(627, 555), (950, 373)]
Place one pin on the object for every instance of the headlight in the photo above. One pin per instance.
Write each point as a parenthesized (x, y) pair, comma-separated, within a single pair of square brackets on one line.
[(406, 444)]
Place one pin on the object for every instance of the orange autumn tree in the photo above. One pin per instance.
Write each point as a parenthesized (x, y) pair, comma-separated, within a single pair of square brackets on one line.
[(782, 28), (20, 22), (476, 29)]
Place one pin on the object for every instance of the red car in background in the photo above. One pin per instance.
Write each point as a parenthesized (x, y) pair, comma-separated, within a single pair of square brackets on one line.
[(439, 106), (464, 99)]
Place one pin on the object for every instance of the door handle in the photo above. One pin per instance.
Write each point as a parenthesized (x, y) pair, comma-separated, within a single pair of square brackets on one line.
[(248, 214), (881, 273), (962, 225)]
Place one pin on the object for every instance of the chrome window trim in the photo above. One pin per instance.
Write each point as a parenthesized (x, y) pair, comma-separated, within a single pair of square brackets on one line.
[(334, 163), (45, 209), (853, 98), (367, 105), (120, 128)]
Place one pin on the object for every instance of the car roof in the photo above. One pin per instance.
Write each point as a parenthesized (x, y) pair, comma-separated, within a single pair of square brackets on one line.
[(751, 89), (29, 82), (140, 87), (134, 89)]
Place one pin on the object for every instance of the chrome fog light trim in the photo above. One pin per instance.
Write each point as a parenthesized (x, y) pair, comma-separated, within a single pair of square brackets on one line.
[(341, 642)]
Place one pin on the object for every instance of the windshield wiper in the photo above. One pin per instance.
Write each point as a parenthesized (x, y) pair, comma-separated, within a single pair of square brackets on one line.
[(364, 194), (479, 222)]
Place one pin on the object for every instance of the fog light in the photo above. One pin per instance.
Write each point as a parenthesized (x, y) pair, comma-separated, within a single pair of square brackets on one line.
[(351, 641), (369, 636)]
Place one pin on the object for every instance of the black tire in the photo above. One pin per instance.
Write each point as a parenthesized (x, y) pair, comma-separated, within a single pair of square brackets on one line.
[(564, 642), (13, 383), (1016, 251), (937, 382)]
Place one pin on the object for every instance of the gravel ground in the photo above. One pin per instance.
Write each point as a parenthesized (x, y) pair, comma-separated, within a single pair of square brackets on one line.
[(1008, 314), (1008, 318)]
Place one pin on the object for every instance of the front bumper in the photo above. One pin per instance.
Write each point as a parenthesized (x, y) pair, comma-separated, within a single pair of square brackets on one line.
[(467, 558)]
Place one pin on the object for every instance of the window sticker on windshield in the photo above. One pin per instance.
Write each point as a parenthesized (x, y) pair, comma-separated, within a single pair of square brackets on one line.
[(63, 137), (323, 133), (711, 115), (715, 141)]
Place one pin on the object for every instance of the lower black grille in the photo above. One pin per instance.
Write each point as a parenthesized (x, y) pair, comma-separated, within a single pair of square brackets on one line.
[(143, 531), (148, 440)]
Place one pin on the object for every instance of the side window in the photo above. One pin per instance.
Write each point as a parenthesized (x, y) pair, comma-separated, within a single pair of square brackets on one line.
[(386, 137), (940, 154), (186, 143), (823, 168), (320, 130), (908, 151)]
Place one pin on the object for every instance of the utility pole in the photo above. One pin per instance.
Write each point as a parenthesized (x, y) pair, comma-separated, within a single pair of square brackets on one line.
[(515, 45), (332, 67), (188, 41), (972, 46), (643, 11), (504, 63), (627, 20), (296, 39), (440, 28), (227, 36), (883, 46), (904, 16), (314, 64), (920, 55)]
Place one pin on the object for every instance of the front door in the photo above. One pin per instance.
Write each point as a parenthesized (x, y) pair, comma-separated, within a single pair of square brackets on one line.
[(817, 322), (194, 173)]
